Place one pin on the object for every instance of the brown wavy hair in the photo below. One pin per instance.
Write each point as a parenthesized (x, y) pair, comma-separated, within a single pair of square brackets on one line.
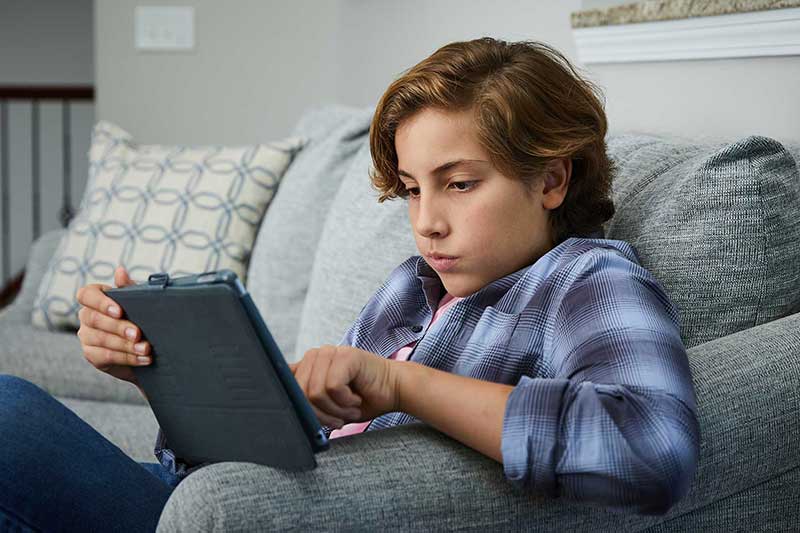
[(530, 107)]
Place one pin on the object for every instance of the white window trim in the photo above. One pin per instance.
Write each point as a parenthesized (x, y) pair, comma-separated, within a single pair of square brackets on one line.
[(756, 34)]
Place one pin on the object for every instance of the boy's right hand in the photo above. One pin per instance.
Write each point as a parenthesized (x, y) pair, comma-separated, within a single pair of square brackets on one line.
[(108, 341)]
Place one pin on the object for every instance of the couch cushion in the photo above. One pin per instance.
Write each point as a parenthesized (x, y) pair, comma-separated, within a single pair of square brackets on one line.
[(153, 208), (362, 242), (717, 224), (51, 359), (283, 253), (132, 428)]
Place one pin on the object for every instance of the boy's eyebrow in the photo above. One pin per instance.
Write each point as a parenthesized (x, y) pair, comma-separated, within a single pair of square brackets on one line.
[(441, 168)]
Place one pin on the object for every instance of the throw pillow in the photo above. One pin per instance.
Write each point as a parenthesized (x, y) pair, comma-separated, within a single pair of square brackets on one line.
[(154, 208)]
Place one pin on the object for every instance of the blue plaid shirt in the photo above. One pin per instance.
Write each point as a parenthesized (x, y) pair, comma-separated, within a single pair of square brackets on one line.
[(603, 410)]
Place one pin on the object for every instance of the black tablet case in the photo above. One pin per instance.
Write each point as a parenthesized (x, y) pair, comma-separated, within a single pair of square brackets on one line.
[(213, 389)]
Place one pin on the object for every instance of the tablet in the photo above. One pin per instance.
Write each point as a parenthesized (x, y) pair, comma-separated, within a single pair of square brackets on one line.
[(218, 384)]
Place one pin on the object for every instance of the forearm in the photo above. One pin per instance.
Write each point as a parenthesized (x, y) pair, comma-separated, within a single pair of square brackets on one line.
[(467, 409)]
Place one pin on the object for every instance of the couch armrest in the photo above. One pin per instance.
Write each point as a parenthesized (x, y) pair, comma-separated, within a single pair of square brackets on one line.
[(41, 252), (412, 476), (748, 391)]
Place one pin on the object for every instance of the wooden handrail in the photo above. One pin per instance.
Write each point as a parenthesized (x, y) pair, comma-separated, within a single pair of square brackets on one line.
[(47, 92), (12, 288), (32, 93)]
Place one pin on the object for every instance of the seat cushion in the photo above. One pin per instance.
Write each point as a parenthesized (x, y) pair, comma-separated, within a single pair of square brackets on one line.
[(717, 224), (132, 428), (51, 359)]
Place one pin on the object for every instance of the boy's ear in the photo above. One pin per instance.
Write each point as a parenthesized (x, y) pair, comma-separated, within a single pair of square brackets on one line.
[(556, 182), (558, 173)]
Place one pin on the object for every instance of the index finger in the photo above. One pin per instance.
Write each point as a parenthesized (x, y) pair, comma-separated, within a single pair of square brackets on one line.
[(93, 296)]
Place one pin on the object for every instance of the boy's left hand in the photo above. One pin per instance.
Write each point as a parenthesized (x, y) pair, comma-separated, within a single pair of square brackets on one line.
[(346, 384)]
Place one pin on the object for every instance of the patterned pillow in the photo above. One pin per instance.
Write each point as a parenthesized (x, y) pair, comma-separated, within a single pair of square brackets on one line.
[(152, 208)]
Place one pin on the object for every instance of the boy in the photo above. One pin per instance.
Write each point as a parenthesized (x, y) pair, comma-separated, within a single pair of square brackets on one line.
[(559, 356)]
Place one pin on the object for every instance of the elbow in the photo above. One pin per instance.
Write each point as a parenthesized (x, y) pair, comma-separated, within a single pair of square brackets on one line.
[(666, 464), (676, 467)]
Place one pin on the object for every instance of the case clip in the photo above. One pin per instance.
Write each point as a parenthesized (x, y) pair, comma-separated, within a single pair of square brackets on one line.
[(160, 279)]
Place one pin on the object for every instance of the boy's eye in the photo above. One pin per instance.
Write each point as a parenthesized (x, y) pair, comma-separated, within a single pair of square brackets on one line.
[(466, 186), (471, 183)]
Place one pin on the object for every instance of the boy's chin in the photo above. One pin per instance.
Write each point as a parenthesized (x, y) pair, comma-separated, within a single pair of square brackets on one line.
[(460, 288)]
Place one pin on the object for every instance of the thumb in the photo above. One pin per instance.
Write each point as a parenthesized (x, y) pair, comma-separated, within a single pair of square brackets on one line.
[(121, 278)]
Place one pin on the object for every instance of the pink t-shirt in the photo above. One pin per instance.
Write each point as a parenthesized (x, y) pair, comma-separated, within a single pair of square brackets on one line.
[(401, 355)]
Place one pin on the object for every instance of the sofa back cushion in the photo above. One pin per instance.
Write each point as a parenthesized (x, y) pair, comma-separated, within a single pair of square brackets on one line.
[(280, 265), (717, 224), (362, 242)]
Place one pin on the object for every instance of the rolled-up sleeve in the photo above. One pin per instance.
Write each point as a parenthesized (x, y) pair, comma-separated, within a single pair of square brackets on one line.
[(614, 424)]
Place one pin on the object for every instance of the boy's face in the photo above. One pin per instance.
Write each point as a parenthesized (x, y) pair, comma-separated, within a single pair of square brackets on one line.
[(470, 210)]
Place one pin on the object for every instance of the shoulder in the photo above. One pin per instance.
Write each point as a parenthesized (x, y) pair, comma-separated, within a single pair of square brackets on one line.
[(583, 272), (607, 275), (581, 261), (577, 259), (581, 256)]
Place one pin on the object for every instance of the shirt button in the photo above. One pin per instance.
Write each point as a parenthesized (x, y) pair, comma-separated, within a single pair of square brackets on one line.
[(416, 328)]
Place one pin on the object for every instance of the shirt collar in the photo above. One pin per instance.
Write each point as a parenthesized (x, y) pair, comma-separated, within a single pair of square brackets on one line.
[(491, 293), (487, 295)]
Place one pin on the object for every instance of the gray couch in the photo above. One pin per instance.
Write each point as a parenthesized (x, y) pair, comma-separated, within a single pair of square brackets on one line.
[(716, 220)]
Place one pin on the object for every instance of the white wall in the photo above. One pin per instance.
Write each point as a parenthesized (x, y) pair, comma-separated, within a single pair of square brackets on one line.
[(259, 64), (383, 38), (256, 65), (716, 97)]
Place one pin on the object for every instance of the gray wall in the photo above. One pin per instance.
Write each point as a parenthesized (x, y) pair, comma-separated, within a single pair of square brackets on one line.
[(259, 64), (43, 42), (46, 42)]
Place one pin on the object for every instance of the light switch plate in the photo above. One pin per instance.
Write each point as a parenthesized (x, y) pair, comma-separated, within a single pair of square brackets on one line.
[(164, 28)]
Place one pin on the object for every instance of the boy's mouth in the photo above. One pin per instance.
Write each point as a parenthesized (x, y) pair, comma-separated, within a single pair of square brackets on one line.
[(442, 263)]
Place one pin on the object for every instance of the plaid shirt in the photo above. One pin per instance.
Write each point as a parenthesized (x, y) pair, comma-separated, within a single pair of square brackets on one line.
[(603, 409)]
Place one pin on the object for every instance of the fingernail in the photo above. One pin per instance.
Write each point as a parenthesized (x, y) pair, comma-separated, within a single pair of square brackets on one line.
[(131, 333), (143, 360), (139, 347), (114, 310)]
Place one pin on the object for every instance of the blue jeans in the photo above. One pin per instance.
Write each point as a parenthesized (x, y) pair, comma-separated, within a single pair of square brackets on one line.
[(58, 474)]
